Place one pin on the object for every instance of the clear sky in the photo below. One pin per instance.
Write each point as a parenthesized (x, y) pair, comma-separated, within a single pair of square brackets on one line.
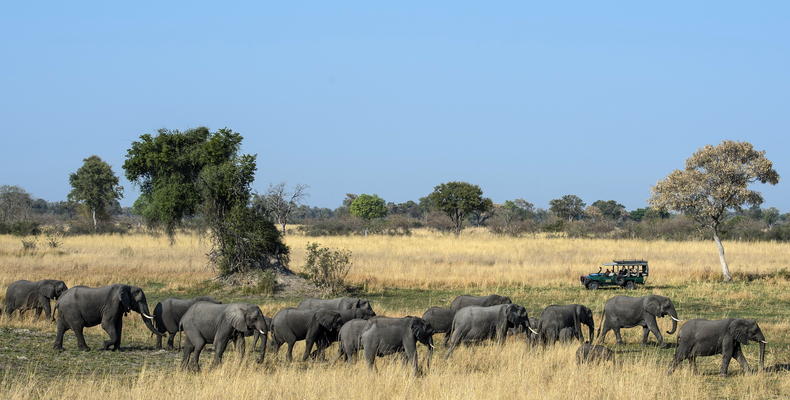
[(526, 99)]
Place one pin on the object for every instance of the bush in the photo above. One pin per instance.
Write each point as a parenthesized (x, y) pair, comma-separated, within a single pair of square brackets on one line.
[(29, 245), (332, 227), (327, 268), (21, 228)]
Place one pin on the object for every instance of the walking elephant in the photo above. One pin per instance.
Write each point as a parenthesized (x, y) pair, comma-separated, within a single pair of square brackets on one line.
[(315, 327), (340, 303), (441, 320), (702, 337), (350, 337), (466, 300), (386, 336), (26, 295), (557, 320), (167, 316), (474, 324), (628, 312), (207, 323), (82, 306)]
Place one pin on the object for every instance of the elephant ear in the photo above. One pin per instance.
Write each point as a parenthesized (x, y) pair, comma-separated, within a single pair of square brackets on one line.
[(653, 306), (739, 329), (125, 297), (234, 315), (48, 290), (325, 319)]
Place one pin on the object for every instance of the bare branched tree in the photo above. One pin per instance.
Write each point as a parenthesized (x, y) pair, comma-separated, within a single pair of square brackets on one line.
[(279, 203)]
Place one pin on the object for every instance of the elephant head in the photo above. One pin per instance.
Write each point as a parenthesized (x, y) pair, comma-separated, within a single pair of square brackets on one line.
[(423, 333), (363, 313), (246, 318), (660, 306), (132, 298), (329, 320), (364, 305), (744, 330), (512, 316), (585, 316), (52, 289)]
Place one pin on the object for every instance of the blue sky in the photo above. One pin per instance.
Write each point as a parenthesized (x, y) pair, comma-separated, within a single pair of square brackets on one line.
[(598, 99)]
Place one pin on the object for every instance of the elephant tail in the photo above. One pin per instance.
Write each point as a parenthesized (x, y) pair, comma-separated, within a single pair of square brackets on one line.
[(600, 324)]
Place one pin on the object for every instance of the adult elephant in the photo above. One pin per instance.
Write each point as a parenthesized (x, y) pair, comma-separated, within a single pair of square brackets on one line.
[(628, 312), (26, 295), (441, 320), (466, 300), (82, 306), (702, 337), (340, 303), (474, 324), (167, 316), (385, 336), (350, 337), (315, 327), (569, 317), (206, 323)]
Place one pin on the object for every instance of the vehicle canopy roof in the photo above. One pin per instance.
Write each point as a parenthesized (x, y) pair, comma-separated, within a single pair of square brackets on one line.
[(626, 262)]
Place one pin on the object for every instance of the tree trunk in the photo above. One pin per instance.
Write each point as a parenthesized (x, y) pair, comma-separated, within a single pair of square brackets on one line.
[(283, 225), (725, 270), (93, 214)]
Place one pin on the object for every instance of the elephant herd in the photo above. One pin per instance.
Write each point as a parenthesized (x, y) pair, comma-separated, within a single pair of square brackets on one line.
[(355, 326)]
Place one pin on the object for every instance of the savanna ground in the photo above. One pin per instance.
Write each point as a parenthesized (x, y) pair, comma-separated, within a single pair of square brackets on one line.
[(404, 276)]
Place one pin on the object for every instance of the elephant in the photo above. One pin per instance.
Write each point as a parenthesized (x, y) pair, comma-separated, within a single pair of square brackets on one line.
[(340, 303), (466, 300), (350, 337), (207, 322), (385, 336), (317, 327), (532, 338), (474, 324), (627, 312), (167, 316), (702, 337), (25, 295), (441, 320), (556, 318), (593, 353), (82, 306), (567, 335)]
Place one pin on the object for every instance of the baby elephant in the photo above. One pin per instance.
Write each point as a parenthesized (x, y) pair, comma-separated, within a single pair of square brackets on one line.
[(589, 353)]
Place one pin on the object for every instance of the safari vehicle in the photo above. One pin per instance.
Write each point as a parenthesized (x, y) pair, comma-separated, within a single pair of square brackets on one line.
[(624, 273)]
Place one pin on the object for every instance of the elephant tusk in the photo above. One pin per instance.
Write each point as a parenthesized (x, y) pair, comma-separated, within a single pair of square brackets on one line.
[(763, 342), (262, 332), (675, 319), (146, 315), (533, 331), (432, 346)]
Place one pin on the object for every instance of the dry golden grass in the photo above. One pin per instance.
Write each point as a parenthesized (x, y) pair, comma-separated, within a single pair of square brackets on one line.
[(528, 268)]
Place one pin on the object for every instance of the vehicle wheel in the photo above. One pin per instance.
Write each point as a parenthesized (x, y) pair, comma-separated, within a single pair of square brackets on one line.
[(630, 285), (593, 285)]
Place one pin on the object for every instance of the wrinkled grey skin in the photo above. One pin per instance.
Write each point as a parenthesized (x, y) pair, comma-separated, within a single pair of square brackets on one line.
[(82, 307), (702, 337), (627, 312), (556, 318), (26, 295), (466, 300), (341, 303), (441, 320), (167, 316), (474, 324), (315, 327), (593, 353), (207, 323), (350, 338), (386, 336)]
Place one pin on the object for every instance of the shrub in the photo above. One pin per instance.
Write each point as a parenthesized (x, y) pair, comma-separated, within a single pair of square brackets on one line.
[(29, 245), (21, 228), (326, 267)]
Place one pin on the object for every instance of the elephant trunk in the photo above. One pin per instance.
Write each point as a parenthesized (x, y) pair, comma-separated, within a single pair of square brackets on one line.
[(142, 308), (591, 327), (762, 355), (430, 353), (674, 315), (263, 337)]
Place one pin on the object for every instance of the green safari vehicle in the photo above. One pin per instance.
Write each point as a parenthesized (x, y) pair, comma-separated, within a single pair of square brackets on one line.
[(624, 273)]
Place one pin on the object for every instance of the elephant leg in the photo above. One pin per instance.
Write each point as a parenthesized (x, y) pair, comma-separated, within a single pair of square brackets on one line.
[(38, 313), (653, 326), (219, 350), (645, 334), (62, 328), (187, 351), (241, 346), (308, 347), (46, 307), (199, 344), (370, 357), (727, 353), (617, 335), (738, 355), (693, 363), (80, 338), (158, 342), (113, 329), (170, 339), (289, 355)]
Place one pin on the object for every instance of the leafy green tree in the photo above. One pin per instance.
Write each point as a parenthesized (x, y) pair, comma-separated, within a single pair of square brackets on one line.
[(96, 186), (458, 200), (716, 179), (167, 168), (569, 207), (771, 216), (368, 207), (610, 209)]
